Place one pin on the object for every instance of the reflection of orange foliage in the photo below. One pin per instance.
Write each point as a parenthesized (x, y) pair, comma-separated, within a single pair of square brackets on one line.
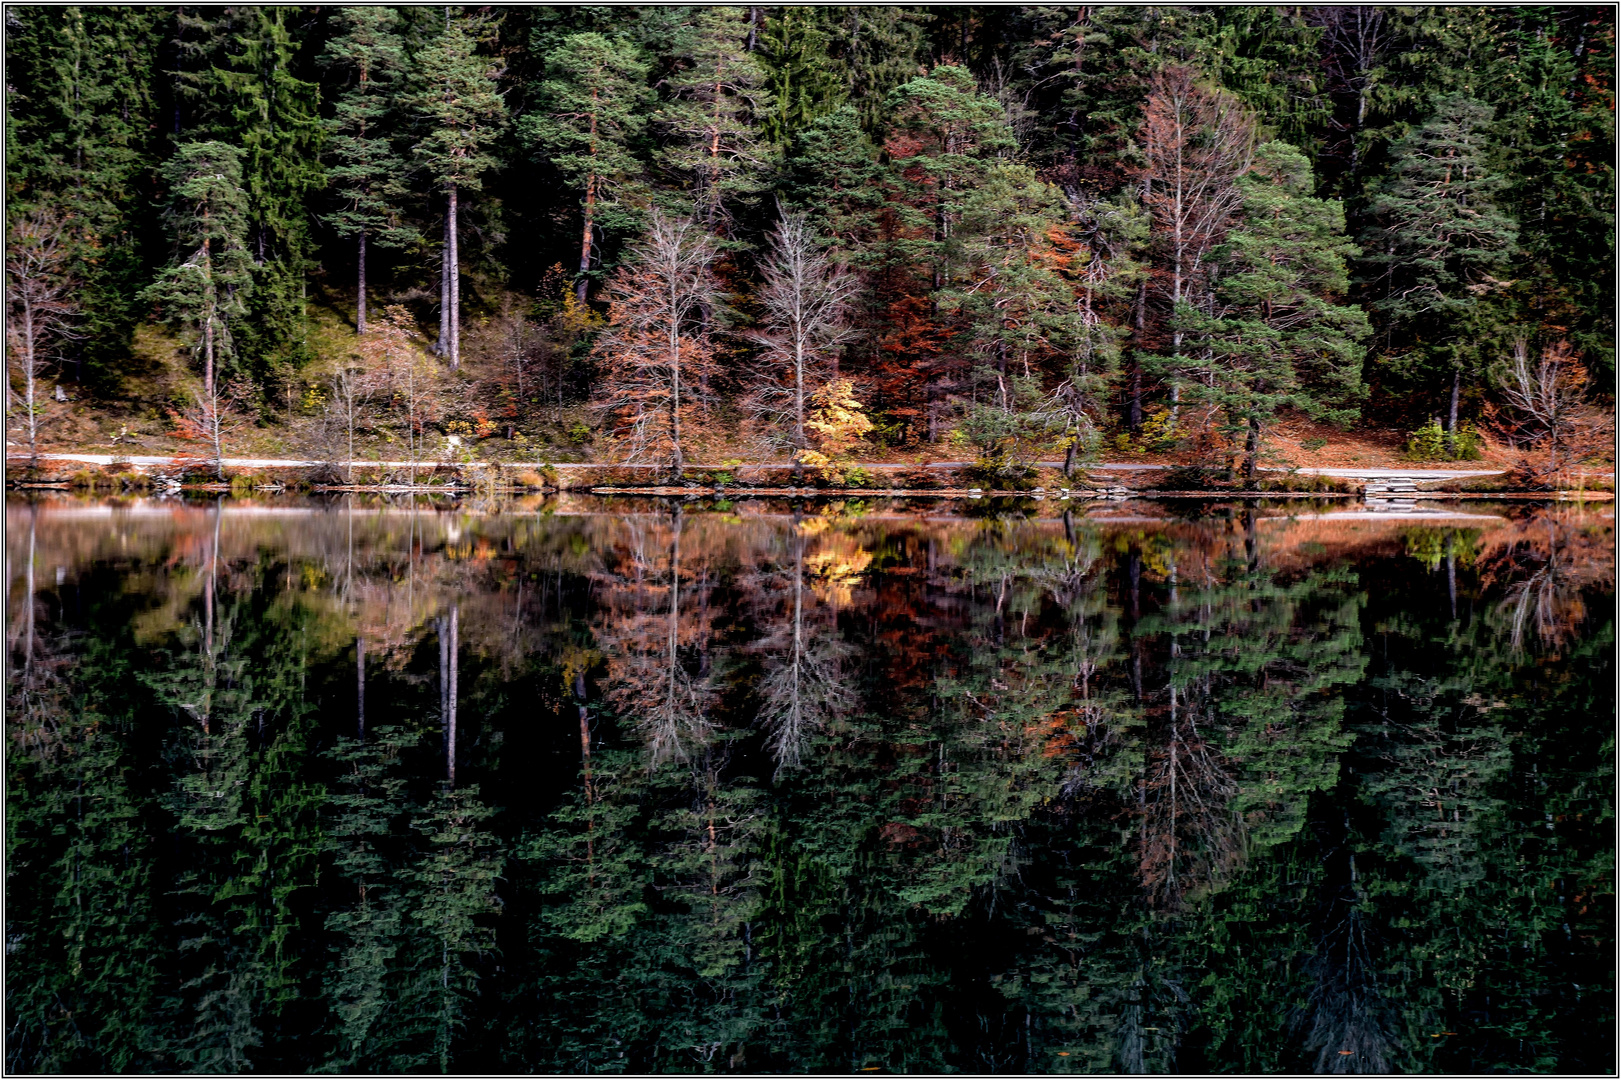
[(1543, 563), (1056, 735)]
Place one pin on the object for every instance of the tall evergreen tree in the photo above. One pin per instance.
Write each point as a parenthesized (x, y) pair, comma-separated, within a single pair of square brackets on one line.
[(1431, 260), (368, 172), (240, 79), (460, 112), (590, 109), (204, 292), (709, 123), (801, 82), (1276, 334)]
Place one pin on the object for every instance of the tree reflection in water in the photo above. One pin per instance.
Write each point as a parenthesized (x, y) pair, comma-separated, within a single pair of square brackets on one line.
[(575, 786)]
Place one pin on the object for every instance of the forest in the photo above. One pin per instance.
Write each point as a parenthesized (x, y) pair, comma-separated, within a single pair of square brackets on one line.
[(809, 234)]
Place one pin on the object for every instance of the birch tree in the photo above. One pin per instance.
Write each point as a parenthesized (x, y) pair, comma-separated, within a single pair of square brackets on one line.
[(40, 311), (657, 347), (807, 296)]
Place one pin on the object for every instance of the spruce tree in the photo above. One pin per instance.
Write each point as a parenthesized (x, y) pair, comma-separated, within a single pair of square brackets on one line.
[(1431, 260), (801, 82), (591, 108), (368, 174), (1275, 334), (461, 112), (204, 291)]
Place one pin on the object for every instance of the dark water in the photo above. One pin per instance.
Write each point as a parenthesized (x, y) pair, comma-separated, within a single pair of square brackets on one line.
[(588, 786)]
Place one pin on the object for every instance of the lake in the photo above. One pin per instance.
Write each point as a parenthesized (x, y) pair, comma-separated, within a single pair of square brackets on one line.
[(580, 785)]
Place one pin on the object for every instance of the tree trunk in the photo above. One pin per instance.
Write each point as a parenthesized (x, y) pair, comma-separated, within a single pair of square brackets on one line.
[(590, 208), (455, 289), (1134, 415), (29, 399), (1252, 445), (360, 296), (1452, 416), (443, 343)]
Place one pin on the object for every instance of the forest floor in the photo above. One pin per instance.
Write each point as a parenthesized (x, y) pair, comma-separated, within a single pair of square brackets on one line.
[(137, 422)]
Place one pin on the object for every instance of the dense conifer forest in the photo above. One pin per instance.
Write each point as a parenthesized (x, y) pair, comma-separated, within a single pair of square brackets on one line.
[(658, 233)]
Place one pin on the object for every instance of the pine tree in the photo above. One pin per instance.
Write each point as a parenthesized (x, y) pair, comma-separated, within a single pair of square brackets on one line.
[(1439, 240), (368, 173), (592, 107), (1275, 334), (204, 291), (461, 113), (709, 123)]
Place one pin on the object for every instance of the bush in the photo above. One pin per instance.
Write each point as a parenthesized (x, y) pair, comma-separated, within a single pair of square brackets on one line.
[(1313, 444), (578, 433), (1001, 472), (1429, 443)]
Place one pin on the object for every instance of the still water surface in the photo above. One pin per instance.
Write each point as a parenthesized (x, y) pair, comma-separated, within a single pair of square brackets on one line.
[(626, 786)]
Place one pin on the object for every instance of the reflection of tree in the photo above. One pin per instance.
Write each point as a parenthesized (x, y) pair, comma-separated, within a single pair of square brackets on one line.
[(803, 688), (1545, 562), (1249, 725), (648, 641)]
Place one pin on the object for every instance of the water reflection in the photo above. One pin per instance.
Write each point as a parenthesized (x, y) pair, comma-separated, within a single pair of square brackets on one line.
[(640, 786)]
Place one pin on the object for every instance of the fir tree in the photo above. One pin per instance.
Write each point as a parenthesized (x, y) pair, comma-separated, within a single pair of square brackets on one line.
[(1440, 239)]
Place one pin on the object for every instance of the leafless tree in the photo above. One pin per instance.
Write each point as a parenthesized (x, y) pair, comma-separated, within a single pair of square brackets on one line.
[(806, 295), (1547, 396), (213, 418), (804, 687), (657, 345), (40, 311)]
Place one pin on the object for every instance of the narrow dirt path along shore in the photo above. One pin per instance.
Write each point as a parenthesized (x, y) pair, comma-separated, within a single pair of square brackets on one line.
[(295, 463)]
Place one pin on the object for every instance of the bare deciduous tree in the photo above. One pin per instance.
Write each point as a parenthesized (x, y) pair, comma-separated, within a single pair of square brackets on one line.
[(214, 416), (40, 311), (657, 346), (1196, 142), (403, 371), (1547, 396), (807, 296)]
